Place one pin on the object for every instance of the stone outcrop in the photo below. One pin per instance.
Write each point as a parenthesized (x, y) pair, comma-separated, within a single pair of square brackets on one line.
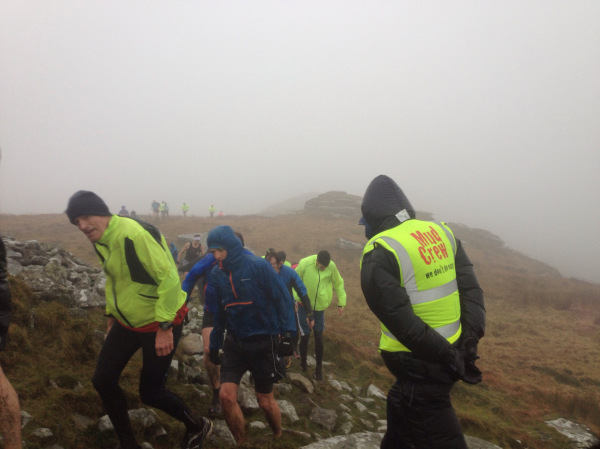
[(55, 275), (324, 417), (476, 443), (301, 382), (347, 244), (580, 435), (364, 440), (336, 204)]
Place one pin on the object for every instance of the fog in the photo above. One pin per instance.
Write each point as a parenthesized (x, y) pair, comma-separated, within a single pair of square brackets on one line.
[(485, 113)]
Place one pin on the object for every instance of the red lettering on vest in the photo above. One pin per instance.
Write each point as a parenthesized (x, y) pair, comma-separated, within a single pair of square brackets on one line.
[(431, 245), (444, 250), (435, 234), (430, 251), (424, 256), (420, 238)]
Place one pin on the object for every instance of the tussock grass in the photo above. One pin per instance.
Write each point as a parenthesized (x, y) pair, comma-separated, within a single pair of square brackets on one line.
[(575, 403)]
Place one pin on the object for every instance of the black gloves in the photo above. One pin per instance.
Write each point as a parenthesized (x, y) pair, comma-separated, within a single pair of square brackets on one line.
[(286, 348), (458, 363), (214, 356), (463, 362), (472, 374)]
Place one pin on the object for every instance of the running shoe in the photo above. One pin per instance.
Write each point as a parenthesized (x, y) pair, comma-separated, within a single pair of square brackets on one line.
[(193, 439)]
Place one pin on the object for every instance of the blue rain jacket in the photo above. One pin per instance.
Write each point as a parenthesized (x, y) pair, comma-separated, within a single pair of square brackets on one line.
[(252, 299)]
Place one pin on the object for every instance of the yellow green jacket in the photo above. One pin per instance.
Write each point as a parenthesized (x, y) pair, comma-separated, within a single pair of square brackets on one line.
[(142, 283), (319, 283)]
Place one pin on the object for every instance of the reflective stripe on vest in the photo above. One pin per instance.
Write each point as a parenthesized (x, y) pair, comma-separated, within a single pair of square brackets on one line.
[(447, 291), (446, 331)]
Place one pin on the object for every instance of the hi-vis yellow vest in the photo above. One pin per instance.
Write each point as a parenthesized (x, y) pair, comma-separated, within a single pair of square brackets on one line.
[(425, 254)]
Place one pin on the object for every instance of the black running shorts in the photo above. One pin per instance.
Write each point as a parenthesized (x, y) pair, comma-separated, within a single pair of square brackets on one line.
[(257, 354)]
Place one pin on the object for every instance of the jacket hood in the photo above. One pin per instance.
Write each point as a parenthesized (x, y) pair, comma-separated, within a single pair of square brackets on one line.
[(384, 205), (222, 237)]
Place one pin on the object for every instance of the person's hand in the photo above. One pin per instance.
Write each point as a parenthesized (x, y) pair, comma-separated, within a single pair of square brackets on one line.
[(458, 363), (164, 342), (311, 322), (470, 345), (472, 374), (340, 310), (285, 348), (215, 356)]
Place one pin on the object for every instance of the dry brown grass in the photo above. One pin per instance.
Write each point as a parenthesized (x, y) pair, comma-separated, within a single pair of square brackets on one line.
[(539, 356)]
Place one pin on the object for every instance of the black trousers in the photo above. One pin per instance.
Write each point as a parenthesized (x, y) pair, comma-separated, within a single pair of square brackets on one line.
[(419, 411), (120, 345)]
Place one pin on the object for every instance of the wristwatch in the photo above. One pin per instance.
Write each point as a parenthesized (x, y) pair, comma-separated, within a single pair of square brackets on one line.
[(165, 325)]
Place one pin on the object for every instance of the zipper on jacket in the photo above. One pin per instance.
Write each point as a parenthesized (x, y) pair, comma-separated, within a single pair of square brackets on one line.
[(105, 260), (117, 306), (98, 253), (317, 292), (232, 287)]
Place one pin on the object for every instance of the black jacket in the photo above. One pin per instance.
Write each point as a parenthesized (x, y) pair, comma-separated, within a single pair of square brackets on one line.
[(389, 301)]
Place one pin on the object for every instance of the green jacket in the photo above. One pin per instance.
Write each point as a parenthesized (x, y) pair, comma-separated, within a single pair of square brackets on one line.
[(142, 283), (319, 283)]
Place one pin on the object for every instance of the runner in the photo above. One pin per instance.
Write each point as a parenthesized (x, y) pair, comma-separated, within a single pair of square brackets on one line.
[(190, 254), (293, 282)]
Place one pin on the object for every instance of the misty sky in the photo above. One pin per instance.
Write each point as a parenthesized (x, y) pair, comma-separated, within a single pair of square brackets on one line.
[(485, 113)]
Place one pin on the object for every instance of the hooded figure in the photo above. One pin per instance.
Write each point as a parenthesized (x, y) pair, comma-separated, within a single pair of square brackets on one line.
[(384, 206), (419, 282), (252, 299), (255, 309)]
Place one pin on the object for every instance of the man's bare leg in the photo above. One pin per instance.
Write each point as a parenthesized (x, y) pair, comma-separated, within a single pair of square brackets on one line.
[(212, 370), (10, 414), (270, 406), (232, 412)]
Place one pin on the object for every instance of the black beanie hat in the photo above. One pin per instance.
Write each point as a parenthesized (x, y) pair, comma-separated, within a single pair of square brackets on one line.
[(85, 202)]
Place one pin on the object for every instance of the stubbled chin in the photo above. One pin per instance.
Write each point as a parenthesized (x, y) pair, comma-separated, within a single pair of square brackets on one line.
[(91, 237)]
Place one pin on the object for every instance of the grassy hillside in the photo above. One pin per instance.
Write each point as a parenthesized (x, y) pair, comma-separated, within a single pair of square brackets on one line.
[(539, 355)]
